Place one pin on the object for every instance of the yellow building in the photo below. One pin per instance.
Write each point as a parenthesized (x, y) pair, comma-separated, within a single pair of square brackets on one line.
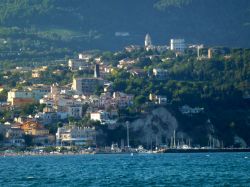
[(34, 129)]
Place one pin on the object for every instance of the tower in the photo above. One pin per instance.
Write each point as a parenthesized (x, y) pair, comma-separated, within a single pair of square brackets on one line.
[(210, 53), (148, 41), (97, 71), (199, 47)]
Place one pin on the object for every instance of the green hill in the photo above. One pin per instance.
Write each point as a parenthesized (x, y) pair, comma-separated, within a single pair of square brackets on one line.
[(50, 25)]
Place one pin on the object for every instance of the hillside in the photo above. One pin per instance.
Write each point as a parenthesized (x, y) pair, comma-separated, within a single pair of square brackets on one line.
[(59, 26)]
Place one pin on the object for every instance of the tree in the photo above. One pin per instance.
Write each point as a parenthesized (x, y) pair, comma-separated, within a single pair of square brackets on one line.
[(3, 95), (139, 100), (1, 137), (28, 140)]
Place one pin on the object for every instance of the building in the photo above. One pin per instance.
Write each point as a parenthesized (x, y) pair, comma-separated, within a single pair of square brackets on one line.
[(34, 128), (36, 73), (160, 74), (177, 45), (73, 135), (39, 90), (189, 110), (76, 64), (158, 99), (40, 135), (15, 136), (108, 87), (126, 63), (86, 86), (85, 57), (123, 100), (19, 98), (47, 116), (68, 105), (75, 111), (103, 117)]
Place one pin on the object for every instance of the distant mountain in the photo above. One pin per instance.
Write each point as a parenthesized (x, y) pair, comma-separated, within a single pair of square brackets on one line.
[(112, 24)]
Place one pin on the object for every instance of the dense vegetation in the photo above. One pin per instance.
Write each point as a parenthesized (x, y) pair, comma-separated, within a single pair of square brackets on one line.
[(54, 28)]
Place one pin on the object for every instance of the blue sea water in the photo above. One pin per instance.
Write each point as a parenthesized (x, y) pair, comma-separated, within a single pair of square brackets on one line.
[(213, 169)]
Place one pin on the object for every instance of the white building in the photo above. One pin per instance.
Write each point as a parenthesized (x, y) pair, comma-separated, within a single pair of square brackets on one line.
[(158, 99), (160, 74), (177, 45), (73, 135), (126, 62), (85, 56), (103, 117), (76, 64), (47, 101)]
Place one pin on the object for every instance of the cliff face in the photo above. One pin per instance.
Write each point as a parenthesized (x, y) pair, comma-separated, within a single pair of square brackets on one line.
[(157, 126)]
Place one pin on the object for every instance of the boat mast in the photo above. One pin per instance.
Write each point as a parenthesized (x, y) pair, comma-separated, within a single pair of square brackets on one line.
[(174, 140), (127, 123)]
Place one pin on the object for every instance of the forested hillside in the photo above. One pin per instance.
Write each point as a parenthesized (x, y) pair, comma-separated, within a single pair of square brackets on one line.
[(61, 25)]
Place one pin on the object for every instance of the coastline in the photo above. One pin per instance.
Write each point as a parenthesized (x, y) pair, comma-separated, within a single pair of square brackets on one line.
[(167, 151)]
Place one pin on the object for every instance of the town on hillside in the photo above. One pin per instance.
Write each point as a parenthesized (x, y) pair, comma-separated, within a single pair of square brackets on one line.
[(86, 100)]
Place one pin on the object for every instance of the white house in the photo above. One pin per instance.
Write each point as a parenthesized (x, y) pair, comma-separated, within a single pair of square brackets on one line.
[(75, 64), (158, 99), (103, 117), (73, 135), (161, 74)]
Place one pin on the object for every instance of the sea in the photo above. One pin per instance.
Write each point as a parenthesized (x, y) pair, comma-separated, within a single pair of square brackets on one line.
[(139, 170)]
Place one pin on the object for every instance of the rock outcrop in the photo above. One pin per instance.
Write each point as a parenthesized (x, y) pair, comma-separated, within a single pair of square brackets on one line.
[(157, 127)]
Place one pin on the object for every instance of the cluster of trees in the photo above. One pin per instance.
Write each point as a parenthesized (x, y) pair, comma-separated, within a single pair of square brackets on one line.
[(219, 78), (23, 9)]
